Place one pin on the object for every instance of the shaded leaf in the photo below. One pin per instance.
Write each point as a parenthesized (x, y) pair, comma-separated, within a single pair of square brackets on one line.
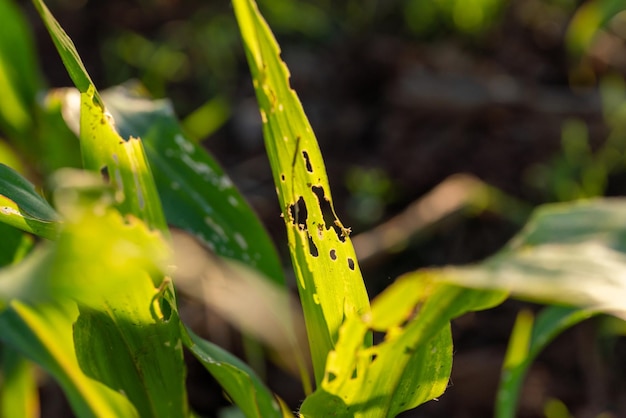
[(328, 276), (528, 338), (197, 195), (237, 379), (19, 78), (22, 207), (19, 397)]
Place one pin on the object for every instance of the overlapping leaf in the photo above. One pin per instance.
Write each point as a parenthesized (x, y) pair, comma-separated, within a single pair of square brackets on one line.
[(328, 275), (237, 379), (22, 207), (411, 365), (570, 253), (197, 195)]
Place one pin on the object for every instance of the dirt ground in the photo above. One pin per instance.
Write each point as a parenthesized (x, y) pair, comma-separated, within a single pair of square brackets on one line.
[(410, 113)]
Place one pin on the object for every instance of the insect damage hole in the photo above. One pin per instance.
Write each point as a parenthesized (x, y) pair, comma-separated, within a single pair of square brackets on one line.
[(312, 247), (330, 220), (307, 161), (299, 213), (350, 263), (333, 254), (104, 172)]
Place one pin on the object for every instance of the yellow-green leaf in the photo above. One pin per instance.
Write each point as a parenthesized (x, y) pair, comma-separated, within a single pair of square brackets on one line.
[(328, 275)]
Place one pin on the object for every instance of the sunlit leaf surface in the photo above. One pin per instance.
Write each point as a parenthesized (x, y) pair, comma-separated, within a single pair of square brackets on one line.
[(328, 275), (411, 365)]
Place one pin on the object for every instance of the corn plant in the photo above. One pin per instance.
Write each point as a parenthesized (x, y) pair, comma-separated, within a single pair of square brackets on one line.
[(91, 300)]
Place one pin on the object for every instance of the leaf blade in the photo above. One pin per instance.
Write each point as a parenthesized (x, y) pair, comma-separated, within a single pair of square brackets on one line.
[(328, 276)]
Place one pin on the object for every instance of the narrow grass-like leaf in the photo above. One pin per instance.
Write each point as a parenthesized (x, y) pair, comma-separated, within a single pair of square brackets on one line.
[(67, 51), (239, 381), (197, 195), (18, 391), (328, 275), (571, 254), (22, 207), (411, 365), (527, 340)]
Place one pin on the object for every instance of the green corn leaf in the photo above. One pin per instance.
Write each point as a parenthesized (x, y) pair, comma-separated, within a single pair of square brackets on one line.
[(528, 338), (22, 207), (43, 333), (126, 321), (18, 392), (239, 381), (569, 254), (197, 195), (328, 275), (411, 365), (14, 244), (67, 51), (103, 150)]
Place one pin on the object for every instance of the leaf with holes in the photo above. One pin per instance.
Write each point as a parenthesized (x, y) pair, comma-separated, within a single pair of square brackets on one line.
[(328, 275), (103, 150), (411, 365)]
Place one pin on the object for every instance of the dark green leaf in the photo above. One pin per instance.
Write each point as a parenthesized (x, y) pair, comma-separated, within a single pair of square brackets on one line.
[(22, 207), (238, 380), (197, 195)]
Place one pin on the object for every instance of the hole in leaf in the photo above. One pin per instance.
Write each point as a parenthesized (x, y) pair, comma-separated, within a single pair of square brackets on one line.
[(330, 220), (307, 162), (351, 263), (333, 254), (104, 171), (282, 177), (331, 377), (313, 248), (299, 213)]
